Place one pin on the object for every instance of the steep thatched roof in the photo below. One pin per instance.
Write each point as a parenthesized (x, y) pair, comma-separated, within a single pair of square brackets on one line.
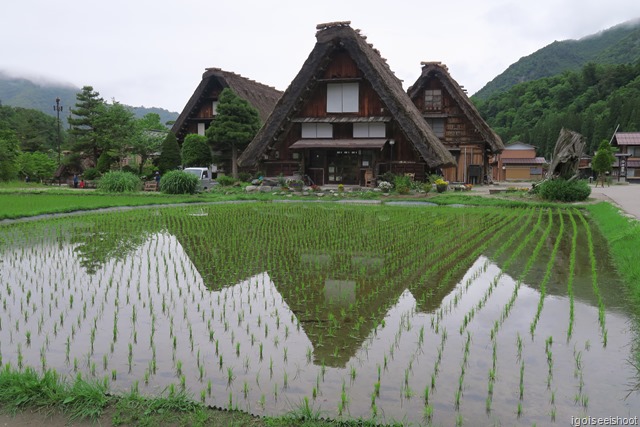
[(330, 38), (439, 71), (262, 97)]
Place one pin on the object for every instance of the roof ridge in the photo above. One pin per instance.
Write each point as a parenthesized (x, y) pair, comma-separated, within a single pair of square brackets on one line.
[(231, 73), (326, 25)]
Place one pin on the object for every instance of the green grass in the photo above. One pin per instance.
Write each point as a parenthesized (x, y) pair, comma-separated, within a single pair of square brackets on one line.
[(48, 393), (24, 200), (17, 204), (623, 237)]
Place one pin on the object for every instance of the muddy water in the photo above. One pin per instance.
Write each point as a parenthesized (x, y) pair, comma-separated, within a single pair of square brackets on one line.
[(144, 312)]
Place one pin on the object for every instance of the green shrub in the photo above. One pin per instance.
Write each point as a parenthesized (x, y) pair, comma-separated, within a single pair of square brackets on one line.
[(388, 176), (91, 174), (402, 184), (226, 180), (179, 182), (127, 168), (119, 182), (244, 176), (104, 162), (562, 190)]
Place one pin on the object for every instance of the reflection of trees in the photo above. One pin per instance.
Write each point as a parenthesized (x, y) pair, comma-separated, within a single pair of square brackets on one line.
[(104, 238)]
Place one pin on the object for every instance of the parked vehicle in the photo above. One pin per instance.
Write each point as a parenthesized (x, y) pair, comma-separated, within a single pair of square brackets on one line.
[(205, 175)]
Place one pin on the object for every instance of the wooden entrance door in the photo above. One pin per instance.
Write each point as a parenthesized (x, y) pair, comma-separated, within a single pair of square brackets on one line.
[(343, 167)]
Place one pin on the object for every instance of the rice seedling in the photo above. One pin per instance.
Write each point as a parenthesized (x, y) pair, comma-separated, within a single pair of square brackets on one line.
[(233, 312)]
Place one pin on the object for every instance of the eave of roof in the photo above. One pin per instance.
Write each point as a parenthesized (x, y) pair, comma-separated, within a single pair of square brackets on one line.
[(627, 138)]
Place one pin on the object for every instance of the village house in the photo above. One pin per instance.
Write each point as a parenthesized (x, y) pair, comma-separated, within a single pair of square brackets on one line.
[(345, 119), (200, 110), (518, 162), (455, 120), (627, 165)]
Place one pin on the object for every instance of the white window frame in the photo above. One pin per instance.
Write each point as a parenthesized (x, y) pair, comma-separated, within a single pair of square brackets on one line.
[(343, 97), (214, 108), (317, 130), (201, 129), (369, 130)]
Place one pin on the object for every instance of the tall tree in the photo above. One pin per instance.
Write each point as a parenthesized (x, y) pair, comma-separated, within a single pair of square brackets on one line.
[(169, 154), (116, 128), (602, 161), (36, 165), (84, 123), (148, 140), (35, 130), (234, 126), (9, 152), (196, 151)]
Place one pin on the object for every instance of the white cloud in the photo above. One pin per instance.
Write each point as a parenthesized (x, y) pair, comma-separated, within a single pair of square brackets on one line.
[(153, 53)]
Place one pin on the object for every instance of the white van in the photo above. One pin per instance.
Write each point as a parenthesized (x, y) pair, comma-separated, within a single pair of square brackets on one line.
[(205, 175)]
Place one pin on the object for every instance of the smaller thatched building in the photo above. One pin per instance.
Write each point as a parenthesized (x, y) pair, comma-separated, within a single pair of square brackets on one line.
[(454, 119), (200, 110)]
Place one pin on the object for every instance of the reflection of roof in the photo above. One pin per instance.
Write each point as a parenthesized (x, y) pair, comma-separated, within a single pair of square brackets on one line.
[(529, 161), (627, 138)]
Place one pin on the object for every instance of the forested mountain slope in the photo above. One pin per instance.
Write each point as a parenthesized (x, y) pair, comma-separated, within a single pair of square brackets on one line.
[(592, 101), (617, 45)]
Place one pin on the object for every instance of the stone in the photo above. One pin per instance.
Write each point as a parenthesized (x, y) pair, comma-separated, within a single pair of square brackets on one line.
[(251, 188)]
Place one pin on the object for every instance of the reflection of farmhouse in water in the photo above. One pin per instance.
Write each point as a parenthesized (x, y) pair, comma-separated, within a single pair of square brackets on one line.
[(338, 296)]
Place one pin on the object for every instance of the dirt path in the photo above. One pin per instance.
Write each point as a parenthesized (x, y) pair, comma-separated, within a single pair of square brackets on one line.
[(41, 418)]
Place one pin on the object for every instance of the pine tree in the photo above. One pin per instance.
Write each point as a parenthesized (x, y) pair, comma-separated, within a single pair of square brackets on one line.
[(89, 107), (169, 154), (234, 126)]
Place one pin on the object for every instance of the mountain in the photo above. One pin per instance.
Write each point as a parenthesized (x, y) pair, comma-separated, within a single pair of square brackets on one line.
[(21, 92), (617, 45)]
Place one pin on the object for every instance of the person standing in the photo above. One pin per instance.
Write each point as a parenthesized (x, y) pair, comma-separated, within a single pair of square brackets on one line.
[(75, 180), (157, 177)]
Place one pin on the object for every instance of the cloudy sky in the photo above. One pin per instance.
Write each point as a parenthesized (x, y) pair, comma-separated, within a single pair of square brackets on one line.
[(153, 52)]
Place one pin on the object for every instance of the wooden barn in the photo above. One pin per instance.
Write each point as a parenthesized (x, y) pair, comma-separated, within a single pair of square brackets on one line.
[(345, 119), (456, 121), (200, 110)]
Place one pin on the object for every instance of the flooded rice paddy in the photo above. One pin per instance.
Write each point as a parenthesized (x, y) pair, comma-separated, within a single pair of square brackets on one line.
[(423, 315)]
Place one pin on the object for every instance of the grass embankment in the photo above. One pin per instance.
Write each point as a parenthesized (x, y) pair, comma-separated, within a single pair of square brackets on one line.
[(623, 236), (26, 200), (83, 400), (24, 203)]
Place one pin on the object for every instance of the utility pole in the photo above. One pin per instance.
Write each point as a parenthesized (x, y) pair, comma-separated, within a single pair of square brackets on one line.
[(58, 108)]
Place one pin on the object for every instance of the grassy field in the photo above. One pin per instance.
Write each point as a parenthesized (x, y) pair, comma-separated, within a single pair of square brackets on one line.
[(623, 237), (23, 200)]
